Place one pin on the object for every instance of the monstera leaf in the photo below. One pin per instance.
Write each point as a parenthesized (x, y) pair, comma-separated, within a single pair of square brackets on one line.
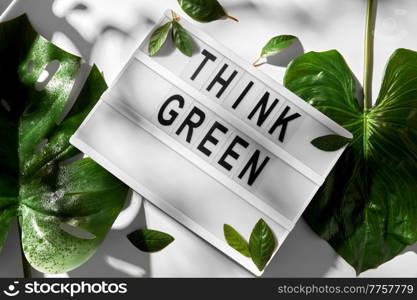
[(367, 208), (49, 193)]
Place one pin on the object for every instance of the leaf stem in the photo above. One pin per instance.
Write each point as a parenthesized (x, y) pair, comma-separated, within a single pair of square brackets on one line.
[(27, 270), (369, 49), (175, 17), (255, 63), (232, 18)]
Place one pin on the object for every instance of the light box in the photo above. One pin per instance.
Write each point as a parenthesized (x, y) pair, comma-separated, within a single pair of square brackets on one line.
[(210, 140)]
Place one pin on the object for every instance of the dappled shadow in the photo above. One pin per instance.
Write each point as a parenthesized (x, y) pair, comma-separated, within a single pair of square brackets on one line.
[(302, 255), (3, 5), (412, 248), (285, 57), (116, 257), (10, 259), (48, 23)]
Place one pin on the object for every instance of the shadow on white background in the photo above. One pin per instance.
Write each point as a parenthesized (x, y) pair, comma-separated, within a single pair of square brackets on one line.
[(106, 32)]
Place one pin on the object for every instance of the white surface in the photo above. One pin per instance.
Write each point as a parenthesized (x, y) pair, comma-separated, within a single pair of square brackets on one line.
[(106, 32), (123, 135)]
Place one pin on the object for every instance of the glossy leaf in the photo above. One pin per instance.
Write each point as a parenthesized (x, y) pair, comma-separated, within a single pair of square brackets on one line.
[(261, 244), (235, 240), (276, 45), (330, 142), (158, 38), (38, 182), (182, 39), (149, 240), (204, 10), (367, 208)]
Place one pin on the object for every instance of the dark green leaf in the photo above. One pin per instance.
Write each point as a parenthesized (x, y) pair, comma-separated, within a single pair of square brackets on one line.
[(182, 39), (330, 142), (261, 244), (39, 183), (367, 207), (148, 240), (235, 240), (158, 38), (204, 10), (277, 44)]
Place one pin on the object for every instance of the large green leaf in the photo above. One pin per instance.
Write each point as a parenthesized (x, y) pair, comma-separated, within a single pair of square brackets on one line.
[(367, 208), (39, 183)]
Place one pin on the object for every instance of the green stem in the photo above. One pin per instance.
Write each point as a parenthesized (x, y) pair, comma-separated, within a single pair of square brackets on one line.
[(27, 269), (369, 49)]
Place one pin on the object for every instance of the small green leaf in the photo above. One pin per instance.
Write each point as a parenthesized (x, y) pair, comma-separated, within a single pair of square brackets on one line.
[(148, 240), (330, 142), (235, 240), (204, 10), (276, 45), (158, 38), (182, 39), (261, 244)]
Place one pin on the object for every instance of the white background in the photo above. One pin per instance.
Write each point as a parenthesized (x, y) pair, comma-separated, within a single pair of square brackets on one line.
[(106, 32)]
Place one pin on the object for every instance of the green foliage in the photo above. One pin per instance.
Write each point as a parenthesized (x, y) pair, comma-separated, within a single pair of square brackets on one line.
[(261, 244), (367, 208), (39, 184)]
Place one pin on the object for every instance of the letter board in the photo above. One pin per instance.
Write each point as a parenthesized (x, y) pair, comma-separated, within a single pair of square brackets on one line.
[(210, 140)]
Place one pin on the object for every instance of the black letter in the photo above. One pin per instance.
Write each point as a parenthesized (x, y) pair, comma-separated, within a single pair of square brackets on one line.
[(208, 56), (224, 83), (191, 125), (264, 113), (230, 152), (210, 138), (172, 113), (240, 98), (282, 121), (252, 164)]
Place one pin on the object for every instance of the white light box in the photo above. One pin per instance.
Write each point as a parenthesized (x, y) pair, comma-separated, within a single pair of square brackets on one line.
[(210, 140)]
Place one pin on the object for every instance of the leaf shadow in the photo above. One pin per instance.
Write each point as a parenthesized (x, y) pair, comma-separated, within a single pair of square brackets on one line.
[(43, 10), (285, 57), (116, 256), (412, 248), (10, 254), (4, 4), (42, 16), (303, 254)]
